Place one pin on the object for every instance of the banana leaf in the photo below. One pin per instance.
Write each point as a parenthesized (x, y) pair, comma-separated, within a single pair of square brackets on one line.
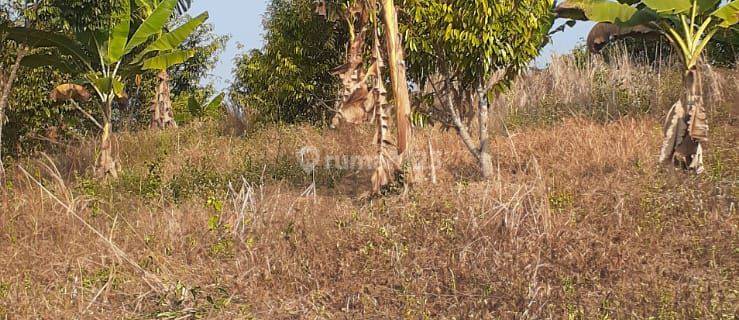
[(164, 61), (152, 25)]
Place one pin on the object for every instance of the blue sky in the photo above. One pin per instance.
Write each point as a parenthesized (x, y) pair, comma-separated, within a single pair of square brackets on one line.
[(243, 21)]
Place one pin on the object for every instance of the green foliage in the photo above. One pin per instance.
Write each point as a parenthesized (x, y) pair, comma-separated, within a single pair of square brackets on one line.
[(32, 118), (289, 80), (471, 39), (723, 50), (195, 105), (76, 15), (99, 53), (33, 121), (201, 108)]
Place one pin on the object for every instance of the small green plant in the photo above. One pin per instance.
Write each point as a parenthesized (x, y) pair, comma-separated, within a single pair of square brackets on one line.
[(4, 289), (561, 201), (224, 244), (216, 204), (201, 108), (148, 185), (223, 248)]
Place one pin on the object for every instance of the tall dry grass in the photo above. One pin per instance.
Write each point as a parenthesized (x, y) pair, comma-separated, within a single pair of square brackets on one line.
[(604, 88), (579, 222)]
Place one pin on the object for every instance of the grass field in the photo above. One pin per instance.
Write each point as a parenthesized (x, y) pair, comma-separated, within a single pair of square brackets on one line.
[(580, 221)]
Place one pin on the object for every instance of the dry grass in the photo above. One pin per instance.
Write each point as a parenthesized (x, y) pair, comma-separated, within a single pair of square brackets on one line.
[(602, 88), (579, 223)]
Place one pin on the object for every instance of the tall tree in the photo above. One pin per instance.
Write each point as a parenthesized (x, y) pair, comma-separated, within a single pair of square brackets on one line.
[(690, 25), (289, 80), (7, 78)]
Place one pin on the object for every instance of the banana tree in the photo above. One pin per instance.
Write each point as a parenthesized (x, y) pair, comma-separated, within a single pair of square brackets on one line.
[(364, 94), (103, 56), (162, 115), (689, 25)]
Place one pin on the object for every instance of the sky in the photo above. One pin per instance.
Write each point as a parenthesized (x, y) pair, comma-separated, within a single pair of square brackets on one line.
[(242, 20)]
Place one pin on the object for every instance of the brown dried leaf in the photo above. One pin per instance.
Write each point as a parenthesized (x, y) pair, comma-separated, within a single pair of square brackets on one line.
[(698, 123), (70, 91), (604, 32), (357, 98), (380, 178), (674, 131)]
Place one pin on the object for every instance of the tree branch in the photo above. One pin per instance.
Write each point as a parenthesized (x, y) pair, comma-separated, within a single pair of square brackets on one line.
[(462, 129)]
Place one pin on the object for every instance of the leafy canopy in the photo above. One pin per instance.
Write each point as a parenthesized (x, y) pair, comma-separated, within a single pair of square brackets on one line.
[(289, 80), (472, 39)]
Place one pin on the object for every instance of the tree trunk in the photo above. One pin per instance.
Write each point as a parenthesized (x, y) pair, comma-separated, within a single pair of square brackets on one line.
[(486, 165), (7, 85), (105, 163), (396, 58), (162, 113), (686, 128), (481, 153), (486, 162)]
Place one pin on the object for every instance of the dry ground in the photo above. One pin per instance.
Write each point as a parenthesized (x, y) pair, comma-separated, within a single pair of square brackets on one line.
[(579, 223)]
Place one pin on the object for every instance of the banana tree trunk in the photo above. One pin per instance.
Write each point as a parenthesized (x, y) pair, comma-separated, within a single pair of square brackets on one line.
[(162, 113), (106, 165), (698, 125), (7, 85), (686, 127), (398, 76)]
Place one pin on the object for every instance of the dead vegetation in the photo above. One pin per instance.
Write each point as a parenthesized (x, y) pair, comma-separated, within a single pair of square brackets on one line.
[(579, 221)]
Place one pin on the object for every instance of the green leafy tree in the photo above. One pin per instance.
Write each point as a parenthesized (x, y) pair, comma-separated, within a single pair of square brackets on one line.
[(466, 51), (100, 54), (289, 79), (31, 119), (35, 123), (690, 25), (7, 79), (76, 15), (723, 50)]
